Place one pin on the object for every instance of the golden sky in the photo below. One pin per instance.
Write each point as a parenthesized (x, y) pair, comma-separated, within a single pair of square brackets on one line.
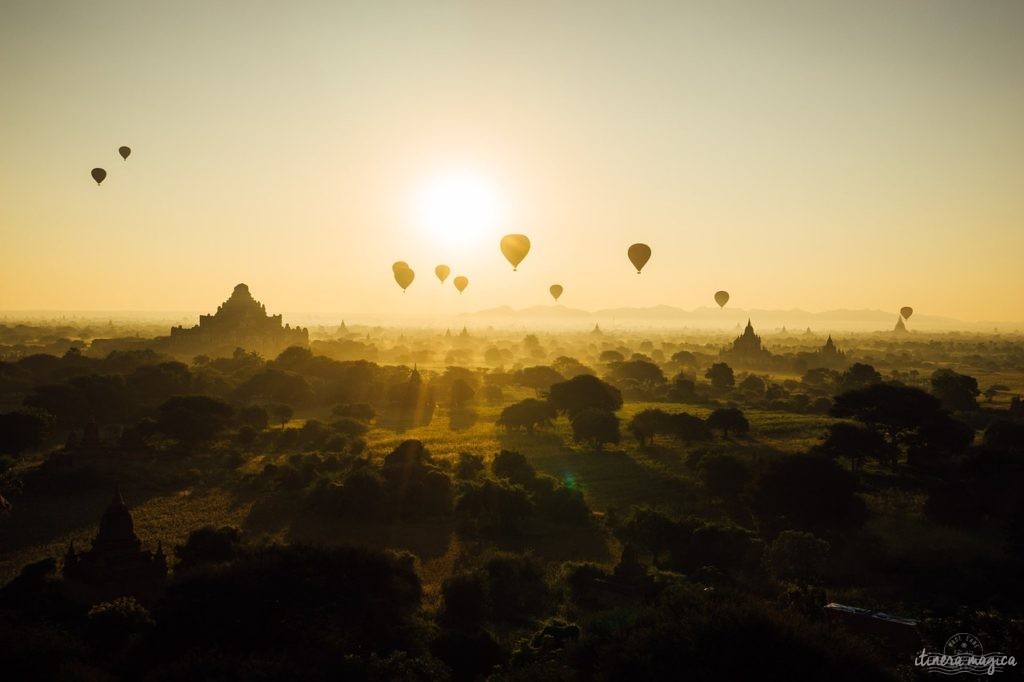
[(811, 155)]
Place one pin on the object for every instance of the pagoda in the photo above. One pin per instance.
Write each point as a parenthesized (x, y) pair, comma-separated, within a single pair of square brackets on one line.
[(116, 565), (747, 348)]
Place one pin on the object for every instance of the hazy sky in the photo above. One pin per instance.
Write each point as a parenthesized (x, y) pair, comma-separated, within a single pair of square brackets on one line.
[(798, 154)]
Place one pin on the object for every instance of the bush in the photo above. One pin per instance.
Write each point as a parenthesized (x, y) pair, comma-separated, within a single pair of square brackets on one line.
[(469, 466), (358, 411), (493, 508), (514, 467), (349, 426)]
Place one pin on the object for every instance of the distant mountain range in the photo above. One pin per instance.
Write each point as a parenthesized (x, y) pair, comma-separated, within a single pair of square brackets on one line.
[(728, 318)]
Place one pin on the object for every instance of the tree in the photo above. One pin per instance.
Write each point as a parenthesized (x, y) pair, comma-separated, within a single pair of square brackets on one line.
[(647, 424), (651, 531), (208, 545), (937, 439), (859, 375), (361, 411), (1005, 436), (270, 599), (464, 601), (514, 467), (994, 390), (683, 390), (684, 357), (720, 375), (726, 419), (497, 508), (283, 412), (723, 476), (909, 418), (805, 492), (820, 377), (276, 386), (797, 555), (688, 429), (104, 398), (856, 442), (348, 426), (570, 367), (193, 419), (493, 394), (596, 427), (957, 392), (539, 378), (609, 356), (641, 371), (108, 624), (255, 416), (753, 384), (890, 408), (527, 414), (154, 383), (584, 392), (21, 431), (461, 393)]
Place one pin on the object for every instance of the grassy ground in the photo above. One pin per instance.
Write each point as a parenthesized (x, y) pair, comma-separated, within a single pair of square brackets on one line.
[(171, 497)]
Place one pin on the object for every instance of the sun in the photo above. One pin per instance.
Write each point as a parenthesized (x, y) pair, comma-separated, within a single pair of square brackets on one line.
[(459, 208)]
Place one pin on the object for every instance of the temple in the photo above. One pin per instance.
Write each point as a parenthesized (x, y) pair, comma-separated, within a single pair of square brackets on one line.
[(828, 356), (240, 322), (747, 347), (116, 565), (900, 327), (830, 352)]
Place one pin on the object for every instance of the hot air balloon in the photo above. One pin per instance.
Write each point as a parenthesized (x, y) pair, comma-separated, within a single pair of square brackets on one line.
[(404, 277), (399, 265), (124, 152), (515, 247), (556, 291), (98, 174), (721, 298), (906, 311), (639, 254), (461, 283), (442, 272)]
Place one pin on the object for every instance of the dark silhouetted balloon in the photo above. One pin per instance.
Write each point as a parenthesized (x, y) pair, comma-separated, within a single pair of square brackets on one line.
[(461, 283), (721, 298), (404, 277), (556, 291), (906, 311), (515, 247), (399, 265), (639, 254), (124, 152), (99, 175), (442, 272)]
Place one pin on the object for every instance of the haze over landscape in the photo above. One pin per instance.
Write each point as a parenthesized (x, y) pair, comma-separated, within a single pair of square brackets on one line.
[(459, 341)]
